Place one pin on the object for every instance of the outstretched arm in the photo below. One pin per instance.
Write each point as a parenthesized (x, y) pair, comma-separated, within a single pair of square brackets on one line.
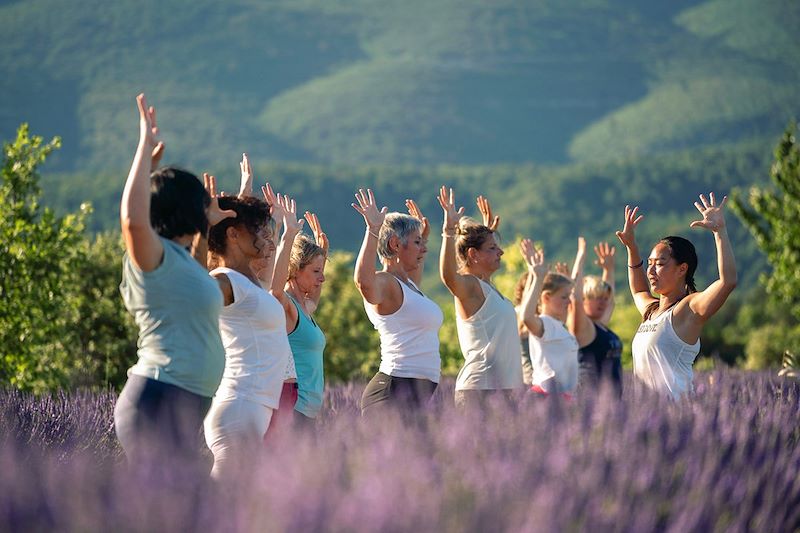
[(246, 180), (534, 259), (704, 304), (460, 286), (291, 227), (578, 323), (413, 210), (606, 256), (637, 281), (322, 241), (371, 286), (141, 240)]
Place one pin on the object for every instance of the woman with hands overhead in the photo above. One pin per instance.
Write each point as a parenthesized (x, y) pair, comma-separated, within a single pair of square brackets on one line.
[(668, 339), (407, 321), (486, 321), (159, 413), (600, 354), (546, 308), (253, 331)]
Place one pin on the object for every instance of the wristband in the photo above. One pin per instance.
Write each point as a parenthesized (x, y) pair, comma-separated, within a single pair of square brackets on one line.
[(373, 234), (637, 265), (445, 234)]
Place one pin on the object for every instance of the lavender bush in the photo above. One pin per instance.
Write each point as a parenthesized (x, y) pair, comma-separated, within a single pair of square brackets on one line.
[(727, 460)]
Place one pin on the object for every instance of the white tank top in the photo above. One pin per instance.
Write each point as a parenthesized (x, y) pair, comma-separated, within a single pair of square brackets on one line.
[(410, 336), (554, 355), (661, 360), (257, 351), (489, 340)]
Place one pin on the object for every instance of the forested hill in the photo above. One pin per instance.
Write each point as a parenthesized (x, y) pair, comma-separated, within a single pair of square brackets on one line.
[(414, 82)]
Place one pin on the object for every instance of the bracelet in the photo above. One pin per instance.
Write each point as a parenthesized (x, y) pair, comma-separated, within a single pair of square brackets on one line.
[(373, 234), (445, 234), (637, 265)]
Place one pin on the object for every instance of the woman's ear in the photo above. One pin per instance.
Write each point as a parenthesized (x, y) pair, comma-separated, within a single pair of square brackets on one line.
[(394, 244), (472, 256), (231, 233)]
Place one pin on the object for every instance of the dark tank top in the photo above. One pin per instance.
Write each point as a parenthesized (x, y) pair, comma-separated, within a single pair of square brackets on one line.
[(602, 359)]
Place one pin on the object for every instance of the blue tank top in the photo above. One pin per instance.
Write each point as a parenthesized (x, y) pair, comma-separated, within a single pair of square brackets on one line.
[(308, 344), (602, 359)]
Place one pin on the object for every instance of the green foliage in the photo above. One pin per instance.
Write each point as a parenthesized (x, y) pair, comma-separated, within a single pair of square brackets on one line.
[(771, 214), (62, 323), (420, 82), (39, 256)]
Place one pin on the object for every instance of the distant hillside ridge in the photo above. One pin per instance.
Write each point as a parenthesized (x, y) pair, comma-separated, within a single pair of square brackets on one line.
[(430, 82)]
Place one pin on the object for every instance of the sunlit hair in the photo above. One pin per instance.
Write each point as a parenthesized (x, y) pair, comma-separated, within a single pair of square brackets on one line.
[(682, 251), (304, 251), (594, 287), (554, 282), (252, 214), (397, 225), (519, 290), (471, 234)]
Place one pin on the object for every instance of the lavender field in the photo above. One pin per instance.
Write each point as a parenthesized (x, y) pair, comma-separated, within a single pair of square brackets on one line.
[(727, 460)]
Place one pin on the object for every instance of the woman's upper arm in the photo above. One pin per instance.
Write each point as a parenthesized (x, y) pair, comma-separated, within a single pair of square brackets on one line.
[(706, 303), (143, 245)]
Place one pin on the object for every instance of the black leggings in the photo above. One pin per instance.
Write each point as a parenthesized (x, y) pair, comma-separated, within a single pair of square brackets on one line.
[(407, 393), (159, 422)]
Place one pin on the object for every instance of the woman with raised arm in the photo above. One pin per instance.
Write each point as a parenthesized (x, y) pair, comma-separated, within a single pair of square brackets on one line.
[(253, 330), (546, 308), (486, 321), (159, 413), (408, 321), (600, 354), (668, 340)]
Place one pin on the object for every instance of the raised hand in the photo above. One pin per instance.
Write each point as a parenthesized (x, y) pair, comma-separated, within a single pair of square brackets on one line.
[(627, 236), (605, 255), (275, 209), (246, 180), (534, 258), (369, 210), (214, 214), (713, 217), (316, 229), (290, 221), (148, 131), (415, 212), (451, 215), (560, 267), (581, 246), (486, 212)]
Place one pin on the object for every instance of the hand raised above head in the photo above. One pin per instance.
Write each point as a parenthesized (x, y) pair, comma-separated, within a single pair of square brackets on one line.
[(605, 255), (415, 212), (316, 228), (246, 180), (560, 267), (485, 209), (290, 221), (214, 214), (451, 215), (148, 127), (369, 210), (713, 216), (581, 245), (534, 257), (628, 234)]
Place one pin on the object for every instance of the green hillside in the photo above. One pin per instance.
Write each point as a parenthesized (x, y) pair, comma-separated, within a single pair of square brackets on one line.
[(418, 82)]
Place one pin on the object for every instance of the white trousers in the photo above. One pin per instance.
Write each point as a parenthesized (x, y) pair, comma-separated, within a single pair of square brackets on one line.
[(234, 429)]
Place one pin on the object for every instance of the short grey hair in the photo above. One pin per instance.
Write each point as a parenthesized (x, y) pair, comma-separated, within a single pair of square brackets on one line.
[(397, 225)]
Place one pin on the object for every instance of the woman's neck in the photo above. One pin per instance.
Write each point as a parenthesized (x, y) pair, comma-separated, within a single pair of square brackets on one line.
[(238, 263), (669, 299), (478, 273), (396, 270)]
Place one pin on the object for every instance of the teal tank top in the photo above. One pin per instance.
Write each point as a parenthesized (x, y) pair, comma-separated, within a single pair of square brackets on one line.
[(176, 307), (308, 343)]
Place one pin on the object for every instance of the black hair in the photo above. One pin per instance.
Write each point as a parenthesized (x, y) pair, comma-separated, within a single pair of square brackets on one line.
[(252, 214), (178, 203), (682, 251)]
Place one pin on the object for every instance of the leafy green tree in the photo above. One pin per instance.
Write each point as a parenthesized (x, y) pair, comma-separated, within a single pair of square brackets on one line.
[(772, 214), (40, 255)]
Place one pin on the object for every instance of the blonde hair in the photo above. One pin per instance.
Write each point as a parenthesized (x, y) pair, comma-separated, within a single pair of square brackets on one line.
[(471, 234), (594, 287), (304, 251), (554, 282)]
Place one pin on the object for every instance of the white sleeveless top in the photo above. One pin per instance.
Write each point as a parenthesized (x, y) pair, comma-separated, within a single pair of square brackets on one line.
[(661, 360), (257, 351), (554, 355), (410, 336), (489, 340)]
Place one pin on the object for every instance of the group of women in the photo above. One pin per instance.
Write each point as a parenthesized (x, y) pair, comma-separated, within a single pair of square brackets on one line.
[(228, 342)]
